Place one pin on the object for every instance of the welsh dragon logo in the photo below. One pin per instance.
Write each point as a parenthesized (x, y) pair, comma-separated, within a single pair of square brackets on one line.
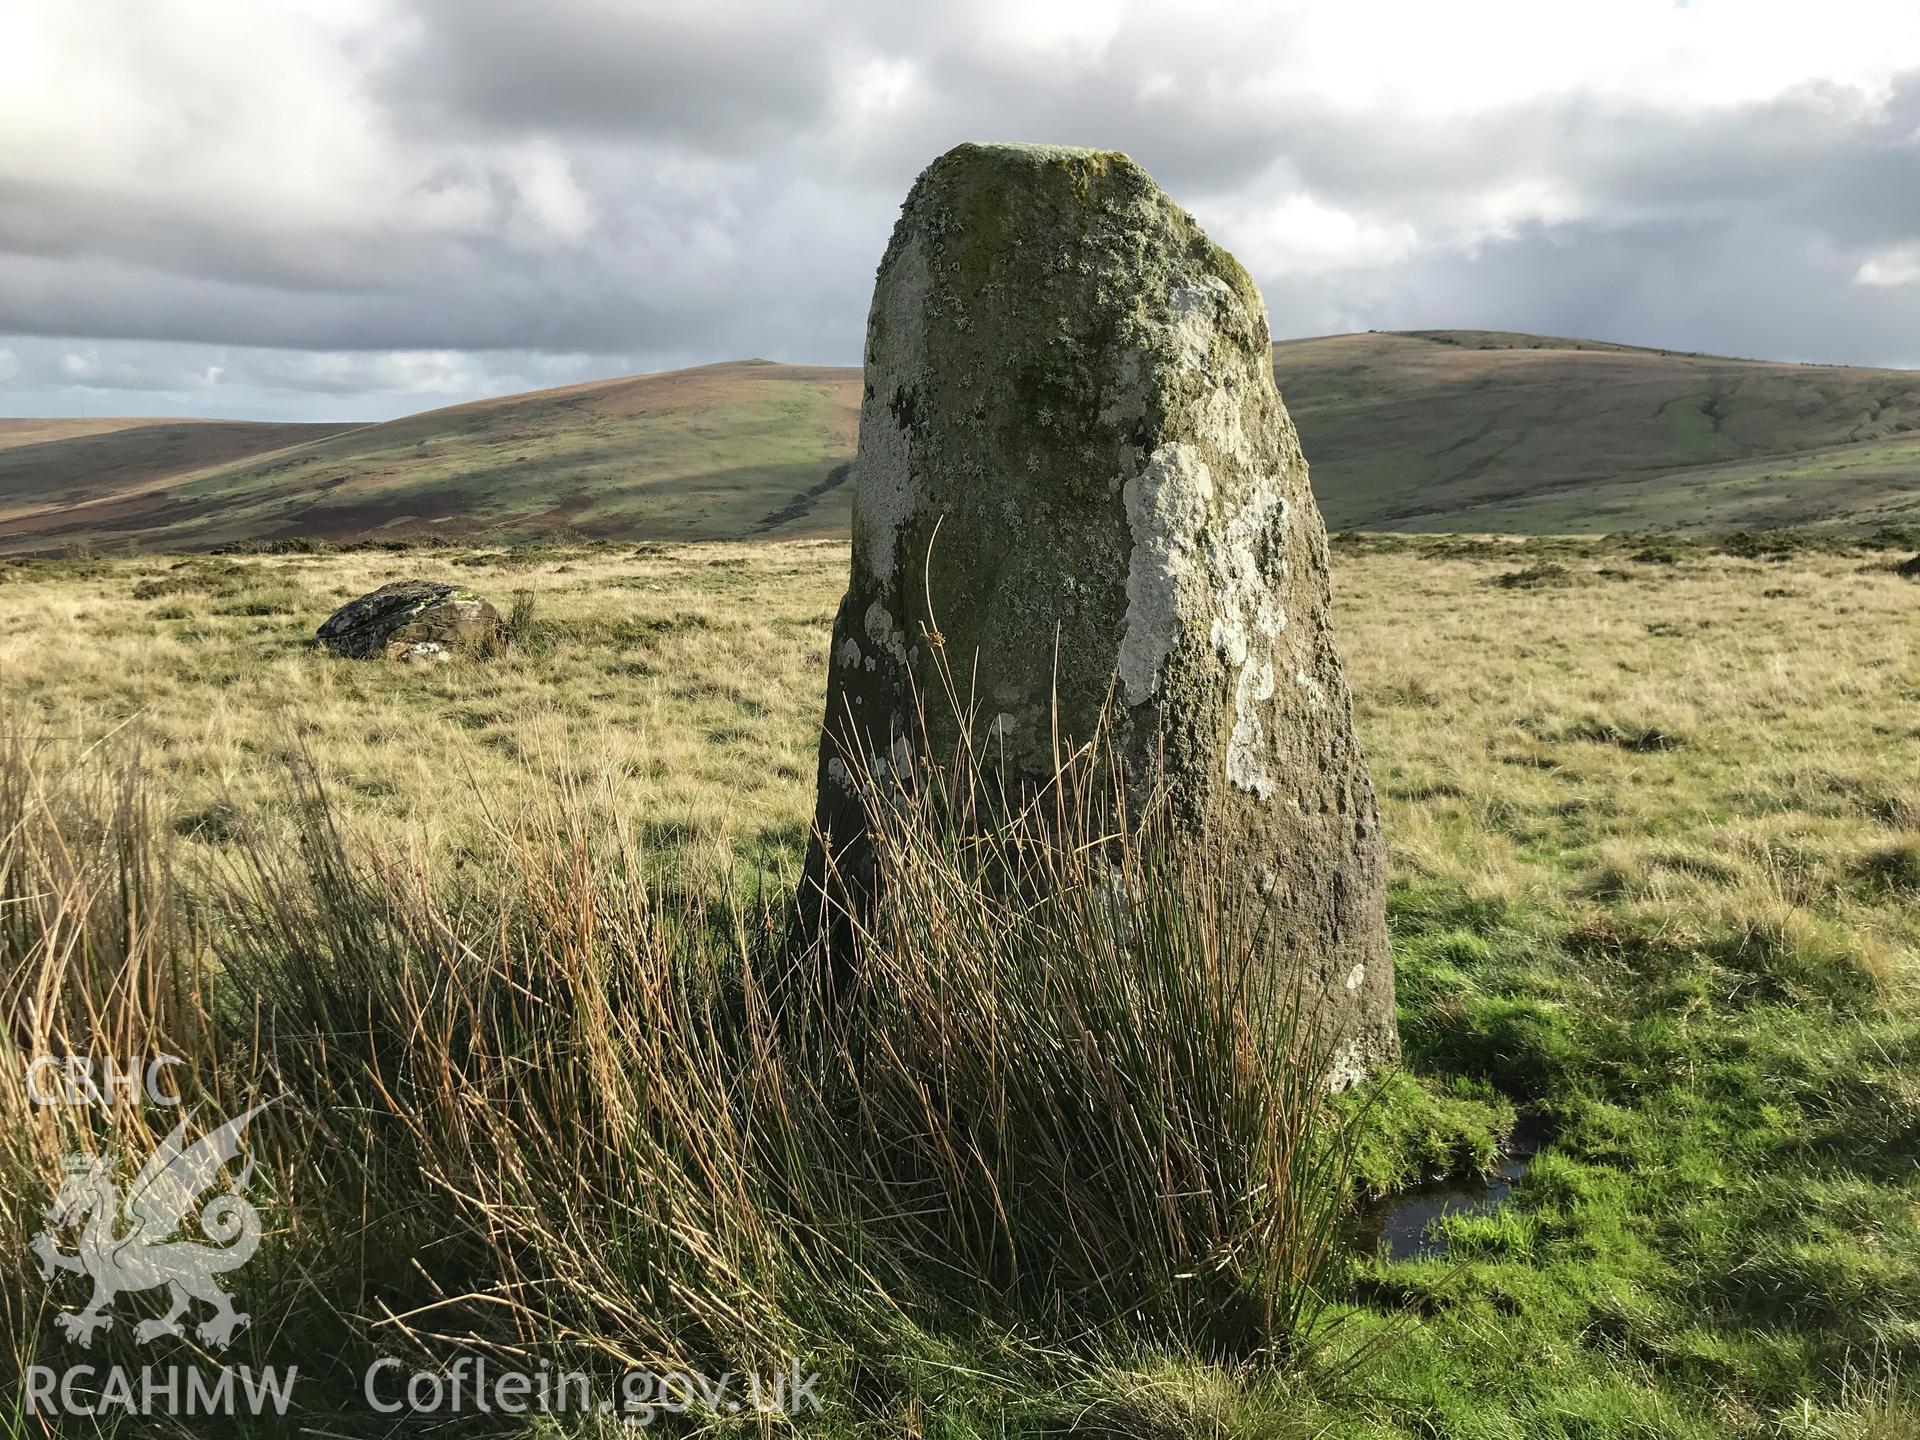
[(133, 1243)]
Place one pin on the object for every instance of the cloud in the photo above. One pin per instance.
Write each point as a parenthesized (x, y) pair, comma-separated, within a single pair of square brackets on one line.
[(245, 382), (1300, 235), (601, 68), (336, 206), (1896, 265)]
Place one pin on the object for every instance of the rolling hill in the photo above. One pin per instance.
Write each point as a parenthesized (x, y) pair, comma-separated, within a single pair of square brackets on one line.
[(718, 451), (99, 469), (1424, 431), (1484, 431)]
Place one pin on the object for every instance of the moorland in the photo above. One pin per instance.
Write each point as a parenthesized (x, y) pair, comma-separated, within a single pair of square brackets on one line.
[(1655, 907), (1429, 431)]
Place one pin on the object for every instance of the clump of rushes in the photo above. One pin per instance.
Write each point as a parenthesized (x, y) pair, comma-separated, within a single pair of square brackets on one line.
[(546, 1108), (525, 628), (1078, 1066)]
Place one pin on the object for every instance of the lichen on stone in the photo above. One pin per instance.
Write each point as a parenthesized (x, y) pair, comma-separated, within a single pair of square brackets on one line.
[(1078, 498), (1168, 504), (413, 620)]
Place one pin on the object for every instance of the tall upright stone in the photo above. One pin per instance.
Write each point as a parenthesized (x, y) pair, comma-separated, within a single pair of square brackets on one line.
[(1069, 380)]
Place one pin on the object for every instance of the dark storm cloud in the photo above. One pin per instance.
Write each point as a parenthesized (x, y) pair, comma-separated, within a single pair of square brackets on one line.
[(65, 223), (490, 183)]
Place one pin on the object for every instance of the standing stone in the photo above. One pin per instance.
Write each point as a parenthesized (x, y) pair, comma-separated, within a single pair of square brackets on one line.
[(1069, 379)]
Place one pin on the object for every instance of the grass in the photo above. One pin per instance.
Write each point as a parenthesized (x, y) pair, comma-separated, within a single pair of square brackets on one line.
[(689, 676), (1428, 431), (1654, 837), (1037, 1114)]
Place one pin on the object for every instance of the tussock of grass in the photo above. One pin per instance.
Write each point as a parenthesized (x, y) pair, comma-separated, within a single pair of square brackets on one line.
[(1534, 577), (1064, 1002), (550, 1108), (1413, 1133), (1892, 866)]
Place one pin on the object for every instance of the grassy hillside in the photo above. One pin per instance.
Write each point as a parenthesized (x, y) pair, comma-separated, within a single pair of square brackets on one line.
[(108, 475), (717, 451), (1428, 431), (1480, 431), (1655, 850)]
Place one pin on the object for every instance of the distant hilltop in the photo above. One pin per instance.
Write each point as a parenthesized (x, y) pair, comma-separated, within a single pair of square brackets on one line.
[(1433, 430)]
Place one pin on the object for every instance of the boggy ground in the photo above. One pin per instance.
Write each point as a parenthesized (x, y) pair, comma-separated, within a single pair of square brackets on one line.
[(1655, 823)]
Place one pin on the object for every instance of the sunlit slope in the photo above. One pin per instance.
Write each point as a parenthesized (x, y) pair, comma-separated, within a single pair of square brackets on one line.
[(1435, 431), (1471, 430), (49, 465), (723, 450)]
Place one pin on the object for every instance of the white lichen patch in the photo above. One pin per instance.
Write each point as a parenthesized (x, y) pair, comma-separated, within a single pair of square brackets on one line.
[(1356, 976), (1245, 768), (1220, 422), (884, 633), (896, 365), (1169, 514), (1348, 1068), (1316, 693), (1247, 568), (850, 653), (1167, 507), (893, 764), (1192, 303)]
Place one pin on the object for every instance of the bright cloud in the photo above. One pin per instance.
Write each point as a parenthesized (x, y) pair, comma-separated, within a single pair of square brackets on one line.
[(1899, 265)]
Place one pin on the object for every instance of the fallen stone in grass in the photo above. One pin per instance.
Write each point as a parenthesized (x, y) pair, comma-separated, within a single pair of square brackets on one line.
[(1909, 569), (419, 622)]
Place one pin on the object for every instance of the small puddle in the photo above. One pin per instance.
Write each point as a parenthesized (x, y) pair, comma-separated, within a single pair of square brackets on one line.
[(1402, 1221)]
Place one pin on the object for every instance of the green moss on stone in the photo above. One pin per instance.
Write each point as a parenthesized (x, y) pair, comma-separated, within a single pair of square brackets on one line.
[(1078, 491)]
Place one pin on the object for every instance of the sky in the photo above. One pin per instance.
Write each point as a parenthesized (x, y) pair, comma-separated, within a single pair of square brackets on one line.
[(355, 209)]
